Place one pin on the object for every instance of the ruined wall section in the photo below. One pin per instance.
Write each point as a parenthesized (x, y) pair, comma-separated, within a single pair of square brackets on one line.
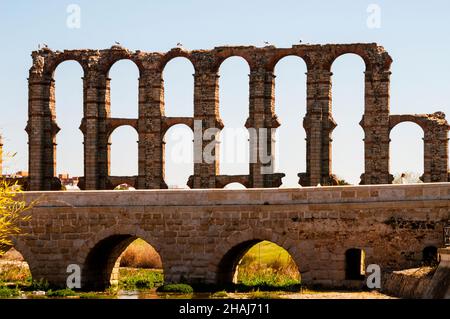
[(97, 124)]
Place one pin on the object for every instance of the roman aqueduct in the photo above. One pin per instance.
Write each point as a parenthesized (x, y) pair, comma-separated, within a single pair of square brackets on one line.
[(151, 125)]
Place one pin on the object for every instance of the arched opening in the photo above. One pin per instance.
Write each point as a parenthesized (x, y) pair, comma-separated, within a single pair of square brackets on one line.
[(124, 89), (347, 111), (14, 270), (258, 263), (406, 153), (124, 152), (235, 185), (179, 156), (290, 106), (430, 256), (122, 261), (179, 88), (355, 264), (234, 111), (69, 113)]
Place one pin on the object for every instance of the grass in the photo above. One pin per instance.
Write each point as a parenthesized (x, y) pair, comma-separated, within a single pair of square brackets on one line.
[(267, 266), (6, 292), (61, 293), (220, 294), (176, 288), (14, 272), (138, 278), (262, 295)]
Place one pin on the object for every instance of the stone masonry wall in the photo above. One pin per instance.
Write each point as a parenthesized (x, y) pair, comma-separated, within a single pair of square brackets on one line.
[(97, 124), (198, 232)]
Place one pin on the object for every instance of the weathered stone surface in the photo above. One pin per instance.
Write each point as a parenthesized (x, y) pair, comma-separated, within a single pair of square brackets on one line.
[(97, 124), (200, 234)]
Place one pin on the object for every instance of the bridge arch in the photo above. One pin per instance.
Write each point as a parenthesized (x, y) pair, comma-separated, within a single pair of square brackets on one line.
[(21, 246), (99, 256), (231, 251)]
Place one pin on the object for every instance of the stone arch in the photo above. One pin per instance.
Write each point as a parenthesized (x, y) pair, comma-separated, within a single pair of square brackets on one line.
[(114, 123), (185, 93), (281, 54), (231, 250), (173, 54), (19, 243), (66, 130), (168, 122), (52, 62), (290, 160), (185, 161), (347, 134), (418, 126), (223, 53), (123, 89), (99, 256), (234, 72), (115, 55), (395, 120), (374, 57), (127, 155)]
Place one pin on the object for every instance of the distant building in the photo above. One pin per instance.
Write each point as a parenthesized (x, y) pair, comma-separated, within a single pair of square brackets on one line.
[(68, 181)]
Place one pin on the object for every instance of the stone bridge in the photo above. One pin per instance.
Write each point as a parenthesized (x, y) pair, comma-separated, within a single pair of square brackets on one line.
[(202, 234)]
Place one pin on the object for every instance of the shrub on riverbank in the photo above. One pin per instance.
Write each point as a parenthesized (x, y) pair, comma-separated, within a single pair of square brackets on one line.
[(176, 288), (267, 266), (135, 278), (6, 292)]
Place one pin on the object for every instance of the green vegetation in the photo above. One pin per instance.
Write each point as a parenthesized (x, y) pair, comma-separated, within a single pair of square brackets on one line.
[(12, 210), (16, 273), (220, 294), (6, 292), (39, 285), (176, 288), (267, 266), (262, 295), (136, 278), (61, 293)]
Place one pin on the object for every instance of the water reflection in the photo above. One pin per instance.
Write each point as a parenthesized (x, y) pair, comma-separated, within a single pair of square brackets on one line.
[(152, 294)]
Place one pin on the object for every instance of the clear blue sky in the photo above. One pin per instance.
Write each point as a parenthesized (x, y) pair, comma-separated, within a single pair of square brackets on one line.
[(415, 33)]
